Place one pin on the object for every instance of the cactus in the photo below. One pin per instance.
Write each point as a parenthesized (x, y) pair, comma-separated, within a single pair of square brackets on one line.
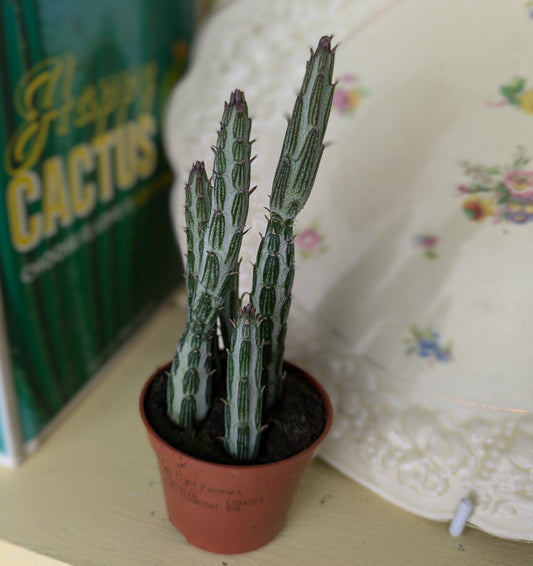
[(244, 403), (215, 218), (293, 181), (188, 392)]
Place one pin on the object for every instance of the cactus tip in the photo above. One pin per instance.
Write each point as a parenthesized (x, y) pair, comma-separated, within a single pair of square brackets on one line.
[(325, 43), (248, 310), (237, 99)]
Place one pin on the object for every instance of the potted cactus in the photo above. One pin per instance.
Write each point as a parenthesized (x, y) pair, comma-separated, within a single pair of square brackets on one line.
[(221, 489)]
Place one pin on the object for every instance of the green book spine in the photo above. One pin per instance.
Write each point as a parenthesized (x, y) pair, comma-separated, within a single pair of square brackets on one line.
[(86, 244)]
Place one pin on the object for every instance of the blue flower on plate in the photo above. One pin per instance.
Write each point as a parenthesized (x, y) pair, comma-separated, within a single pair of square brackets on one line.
[(426, 343)]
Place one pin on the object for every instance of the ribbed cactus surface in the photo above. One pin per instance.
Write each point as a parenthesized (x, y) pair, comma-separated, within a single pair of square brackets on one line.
[(271, 296), (297, 168), (197, 209), (304, 139), (244, 403), (188, 393)]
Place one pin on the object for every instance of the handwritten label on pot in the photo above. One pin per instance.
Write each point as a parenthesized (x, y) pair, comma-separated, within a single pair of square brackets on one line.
[(208, 496)]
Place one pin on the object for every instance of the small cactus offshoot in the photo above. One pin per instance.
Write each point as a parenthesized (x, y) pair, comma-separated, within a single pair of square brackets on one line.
[(215, 213), (244, 403)]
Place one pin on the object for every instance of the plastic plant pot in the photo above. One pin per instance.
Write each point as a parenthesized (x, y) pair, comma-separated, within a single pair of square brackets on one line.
[(229, 509)]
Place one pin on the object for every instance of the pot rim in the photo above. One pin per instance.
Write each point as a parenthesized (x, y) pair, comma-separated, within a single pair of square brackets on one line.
[(239, 467)]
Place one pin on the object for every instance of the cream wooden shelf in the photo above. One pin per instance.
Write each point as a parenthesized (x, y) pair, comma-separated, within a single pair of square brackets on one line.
[(91, 496)]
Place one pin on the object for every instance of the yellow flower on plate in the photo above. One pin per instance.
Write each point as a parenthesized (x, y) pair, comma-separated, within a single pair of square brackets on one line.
[(353, 99), (477, 208), (514, 206), (526, 101)]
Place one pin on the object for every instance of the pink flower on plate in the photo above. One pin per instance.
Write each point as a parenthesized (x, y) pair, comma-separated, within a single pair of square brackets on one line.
[(520, 183), (345, 100), (427, 240), (347, 95), (428, 243), (308, 240)]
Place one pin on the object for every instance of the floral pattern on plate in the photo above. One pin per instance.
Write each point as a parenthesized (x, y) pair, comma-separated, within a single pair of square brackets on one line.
[(503, 193), (427, 243), (518, 93), (425, 343), (310, 241), (348, 94)]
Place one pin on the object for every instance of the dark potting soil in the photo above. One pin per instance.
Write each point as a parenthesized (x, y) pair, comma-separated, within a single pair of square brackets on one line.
[(293, 423)]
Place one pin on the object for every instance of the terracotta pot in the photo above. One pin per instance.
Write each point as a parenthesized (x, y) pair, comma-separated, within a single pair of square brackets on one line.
[(224, 508)]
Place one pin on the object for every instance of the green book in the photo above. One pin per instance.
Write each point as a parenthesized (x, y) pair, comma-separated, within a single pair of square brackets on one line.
[(86, 244)]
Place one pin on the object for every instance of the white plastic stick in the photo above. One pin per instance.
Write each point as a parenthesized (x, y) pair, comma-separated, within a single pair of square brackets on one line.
[(464, 509)]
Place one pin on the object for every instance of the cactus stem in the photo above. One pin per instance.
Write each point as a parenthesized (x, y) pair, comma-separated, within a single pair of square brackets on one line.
[(244, 395)]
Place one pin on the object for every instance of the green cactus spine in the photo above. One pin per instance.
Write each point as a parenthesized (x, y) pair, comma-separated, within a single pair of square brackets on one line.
[(244, 403), (188, 395), (297, 168)]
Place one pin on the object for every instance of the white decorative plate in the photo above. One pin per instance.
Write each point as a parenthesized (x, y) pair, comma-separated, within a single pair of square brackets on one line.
[(413, 299)]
